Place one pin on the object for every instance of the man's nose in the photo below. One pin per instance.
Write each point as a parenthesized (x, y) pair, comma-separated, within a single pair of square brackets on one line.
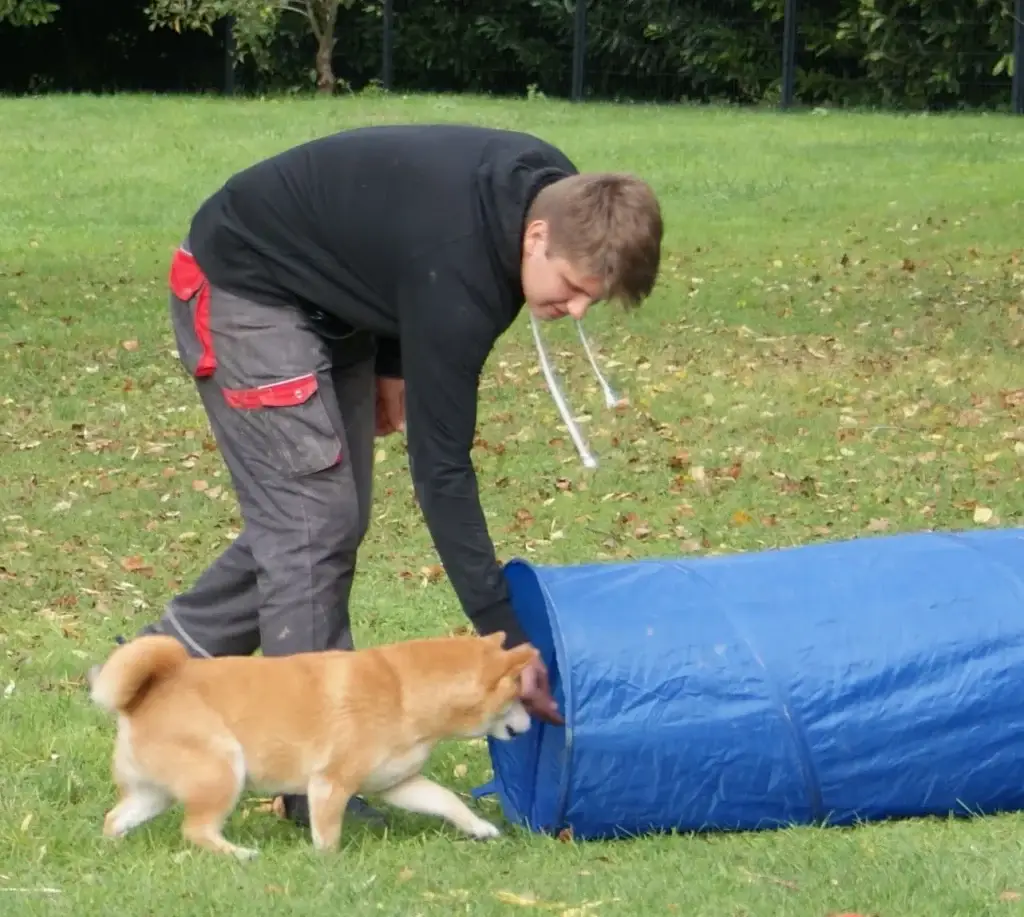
[(577, 307)]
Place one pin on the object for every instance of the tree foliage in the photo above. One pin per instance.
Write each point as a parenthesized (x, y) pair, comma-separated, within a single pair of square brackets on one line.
[(908, 54), (255, 24), (27, 12)]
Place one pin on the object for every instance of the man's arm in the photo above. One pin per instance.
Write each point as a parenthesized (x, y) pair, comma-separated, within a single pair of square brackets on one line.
[(445, 342)]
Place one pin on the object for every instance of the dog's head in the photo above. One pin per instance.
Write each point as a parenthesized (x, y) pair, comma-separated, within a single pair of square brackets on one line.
[(499, 712)]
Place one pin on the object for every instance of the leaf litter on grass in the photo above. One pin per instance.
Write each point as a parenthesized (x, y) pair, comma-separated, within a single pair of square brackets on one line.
[(850, 374), (524, 900)]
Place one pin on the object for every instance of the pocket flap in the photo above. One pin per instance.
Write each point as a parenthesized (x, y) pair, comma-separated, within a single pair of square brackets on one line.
[(186, 277), (284, 394)]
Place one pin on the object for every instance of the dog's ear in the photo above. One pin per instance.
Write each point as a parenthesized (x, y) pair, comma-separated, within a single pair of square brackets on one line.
[(497, 638), (519, 657), (504, 672)]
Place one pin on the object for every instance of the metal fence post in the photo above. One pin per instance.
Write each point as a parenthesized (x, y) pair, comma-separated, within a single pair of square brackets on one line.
[(789, 52), (388, 45), (1017, 91), (579, 49)]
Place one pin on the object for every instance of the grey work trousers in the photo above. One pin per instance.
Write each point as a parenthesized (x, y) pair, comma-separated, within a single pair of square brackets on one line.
[(293, 414)]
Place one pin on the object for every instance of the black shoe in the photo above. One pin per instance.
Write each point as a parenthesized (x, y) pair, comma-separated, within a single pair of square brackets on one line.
[(296, 809)]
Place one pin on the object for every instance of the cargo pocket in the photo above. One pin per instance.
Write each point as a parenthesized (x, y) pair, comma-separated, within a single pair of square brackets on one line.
[(192, 318), (296, 426)]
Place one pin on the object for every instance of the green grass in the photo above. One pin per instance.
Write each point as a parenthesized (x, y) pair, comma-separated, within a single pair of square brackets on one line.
[(828, 355)]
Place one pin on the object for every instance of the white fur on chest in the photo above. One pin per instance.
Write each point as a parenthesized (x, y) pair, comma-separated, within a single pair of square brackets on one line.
[(396, 769)]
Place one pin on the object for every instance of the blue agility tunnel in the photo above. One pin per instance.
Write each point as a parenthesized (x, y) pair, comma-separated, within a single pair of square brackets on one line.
[(831, 683)]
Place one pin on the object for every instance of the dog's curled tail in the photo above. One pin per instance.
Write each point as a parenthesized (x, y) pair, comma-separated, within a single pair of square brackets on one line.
[(132, 669)]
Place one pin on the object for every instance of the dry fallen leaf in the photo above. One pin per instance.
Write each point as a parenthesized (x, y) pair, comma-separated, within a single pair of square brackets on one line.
[(982, 514), (460, 771), (527, 900), (774, 880), (39, 889), (273, 806), (405, 874), (431, 574), (454, 894), (523, 517), (1012, 398), (136, 564), (130, 345), (680, 461), (585, 908), (1009, 895)]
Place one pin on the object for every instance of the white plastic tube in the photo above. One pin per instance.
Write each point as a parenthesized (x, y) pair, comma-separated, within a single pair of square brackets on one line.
[(610, 398), (586, 455)]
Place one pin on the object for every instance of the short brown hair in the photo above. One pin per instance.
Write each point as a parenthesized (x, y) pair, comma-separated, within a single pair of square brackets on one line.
[(607, 224)]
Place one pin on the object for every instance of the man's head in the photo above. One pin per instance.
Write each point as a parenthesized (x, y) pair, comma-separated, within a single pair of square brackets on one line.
[(590, 237)]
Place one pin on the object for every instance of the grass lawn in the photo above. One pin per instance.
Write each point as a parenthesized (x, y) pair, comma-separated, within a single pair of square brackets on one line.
[(834, 350)]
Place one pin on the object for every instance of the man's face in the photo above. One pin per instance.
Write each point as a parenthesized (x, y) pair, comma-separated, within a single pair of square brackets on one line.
[(552, 287)]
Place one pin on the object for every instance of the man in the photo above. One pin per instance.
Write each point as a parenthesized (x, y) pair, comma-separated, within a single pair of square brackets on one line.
[(354, 286)]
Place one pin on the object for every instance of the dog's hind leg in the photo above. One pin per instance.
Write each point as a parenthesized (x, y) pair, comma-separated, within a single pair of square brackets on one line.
[(209, 789), (139, 804), (141, 799), (423, 796)]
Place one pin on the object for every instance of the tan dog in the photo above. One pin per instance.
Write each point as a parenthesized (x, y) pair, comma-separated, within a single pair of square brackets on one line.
[(329, 724)]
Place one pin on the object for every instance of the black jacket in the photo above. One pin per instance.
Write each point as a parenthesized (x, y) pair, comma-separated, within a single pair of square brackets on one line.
[(413, 233)]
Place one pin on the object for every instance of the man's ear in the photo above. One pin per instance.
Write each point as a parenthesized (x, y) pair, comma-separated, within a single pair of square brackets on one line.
[(535, 237)]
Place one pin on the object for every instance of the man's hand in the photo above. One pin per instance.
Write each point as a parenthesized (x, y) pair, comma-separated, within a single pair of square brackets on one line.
[(390, 406), (536, 694)]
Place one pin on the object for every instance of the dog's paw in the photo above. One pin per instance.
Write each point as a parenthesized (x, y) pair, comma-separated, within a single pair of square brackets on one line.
[(113, 829), (245, 853), (483, 830)]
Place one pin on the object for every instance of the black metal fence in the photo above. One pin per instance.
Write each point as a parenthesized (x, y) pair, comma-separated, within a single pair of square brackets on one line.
[(785, 53), (1018, 58), (790, 45)]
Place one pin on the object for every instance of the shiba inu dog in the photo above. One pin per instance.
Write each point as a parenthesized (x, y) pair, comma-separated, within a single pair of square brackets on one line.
[(329, 724)]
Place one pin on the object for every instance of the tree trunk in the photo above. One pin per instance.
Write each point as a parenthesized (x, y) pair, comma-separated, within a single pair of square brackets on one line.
[(326, 15), (324, 69)]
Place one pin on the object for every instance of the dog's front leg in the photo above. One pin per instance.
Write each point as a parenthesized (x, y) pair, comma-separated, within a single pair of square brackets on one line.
[(423, 796), (328, 798)]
